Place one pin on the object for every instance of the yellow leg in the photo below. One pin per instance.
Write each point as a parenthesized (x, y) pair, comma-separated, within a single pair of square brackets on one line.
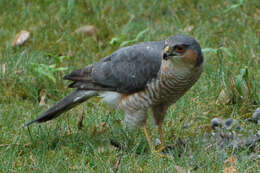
[(148, 138), (161, 147), (161, 135)]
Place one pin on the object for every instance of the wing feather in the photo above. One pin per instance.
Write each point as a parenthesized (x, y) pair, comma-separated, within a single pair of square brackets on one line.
[(127, 70)]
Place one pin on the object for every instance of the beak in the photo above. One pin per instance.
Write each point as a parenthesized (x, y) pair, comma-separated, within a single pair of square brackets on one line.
[(165, 53), (166, 56)]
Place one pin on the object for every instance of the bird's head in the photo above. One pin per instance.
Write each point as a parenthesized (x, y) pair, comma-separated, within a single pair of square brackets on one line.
[(182, 50)]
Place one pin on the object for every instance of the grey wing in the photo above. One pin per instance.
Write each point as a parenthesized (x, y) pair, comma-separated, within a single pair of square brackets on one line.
[(127, 70)]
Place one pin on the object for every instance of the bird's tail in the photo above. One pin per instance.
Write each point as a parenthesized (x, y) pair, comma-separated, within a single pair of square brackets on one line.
[(65, 104)]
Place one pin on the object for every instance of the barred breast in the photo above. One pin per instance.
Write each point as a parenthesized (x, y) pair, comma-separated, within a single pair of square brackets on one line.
[(167, 88)]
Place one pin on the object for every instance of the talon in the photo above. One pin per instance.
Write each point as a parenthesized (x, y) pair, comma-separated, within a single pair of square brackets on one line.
[(158, 153), (161, 149)]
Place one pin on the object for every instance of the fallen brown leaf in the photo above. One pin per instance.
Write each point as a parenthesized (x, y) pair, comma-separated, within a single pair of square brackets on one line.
[(188, 28), (215, 19), (21, 38), (181, 169), (101, 149), (89, 30), (102, 128), (42, 97), (257, 14), (3, 69), (19, 71), (225, 96)]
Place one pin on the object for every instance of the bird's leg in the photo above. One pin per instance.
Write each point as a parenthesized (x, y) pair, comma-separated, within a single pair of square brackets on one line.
[(159, 113), (162, 145), (148, 138), (161, 134)]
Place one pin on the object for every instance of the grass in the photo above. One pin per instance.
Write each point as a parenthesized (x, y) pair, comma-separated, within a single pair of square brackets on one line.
[(228, 32)]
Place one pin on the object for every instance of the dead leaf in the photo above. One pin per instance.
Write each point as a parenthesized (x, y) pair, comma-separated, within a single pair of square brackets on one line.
[(42, 97), (215, 19), (257, 14), (257, 10), (117, 121), (21, 38), (19, 71), (207, 128), (225, 96), (229, 165), (89, 30), (102, 124), (181, 169), (188, 28), (3, 69), (101, 149), (101, 128)]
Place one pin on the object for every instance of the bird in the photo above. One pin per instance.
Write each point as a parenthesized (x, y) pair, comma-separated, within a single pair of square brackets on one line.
[(147, 75)]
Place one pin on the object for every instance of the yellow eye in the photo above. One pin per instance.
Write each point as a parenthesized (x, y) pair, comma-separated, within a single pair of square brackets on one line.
[(179, 49)]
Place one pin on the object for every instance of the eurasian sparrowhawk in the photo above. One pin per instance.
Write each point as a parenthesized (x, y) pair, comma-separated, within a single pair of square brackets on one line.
[(135, 78)]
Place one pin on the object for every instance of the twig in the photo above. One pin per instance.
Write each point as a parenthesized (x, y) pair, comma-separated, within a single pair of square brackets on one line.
[(211, 145), (3, 145), (117, 163)]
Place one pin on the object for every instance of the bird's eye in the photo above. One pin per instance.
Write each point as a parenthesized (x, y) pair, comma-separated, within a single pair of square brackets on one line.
[(179, 49)]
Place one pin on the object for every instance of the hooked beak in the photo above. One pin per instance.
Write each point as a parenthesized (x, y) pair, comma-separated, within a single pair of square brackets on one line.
[(166, 54)]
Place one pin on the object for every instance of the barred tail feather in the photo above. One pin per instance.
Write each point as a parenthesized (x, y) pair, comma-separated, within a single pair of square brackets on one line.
[(64, 105)]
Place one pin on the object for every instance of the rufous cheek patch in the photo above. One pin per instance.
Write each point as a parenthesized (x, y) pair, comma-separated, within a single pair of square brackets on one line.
[(190, 56)]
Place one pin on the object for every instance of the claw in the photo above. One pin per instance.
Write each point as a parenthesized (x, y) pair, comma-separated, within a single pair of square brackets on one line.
[(155, 151), (159, 154)]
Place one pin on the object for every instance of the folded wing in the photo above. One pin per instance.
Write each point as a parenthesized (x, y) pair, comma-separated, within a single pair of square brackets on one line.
[(127, 70)]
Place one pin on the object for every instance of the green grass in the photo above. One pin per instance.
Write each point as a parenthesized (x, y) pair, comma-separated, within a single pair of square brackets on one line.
[(58, 146)]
